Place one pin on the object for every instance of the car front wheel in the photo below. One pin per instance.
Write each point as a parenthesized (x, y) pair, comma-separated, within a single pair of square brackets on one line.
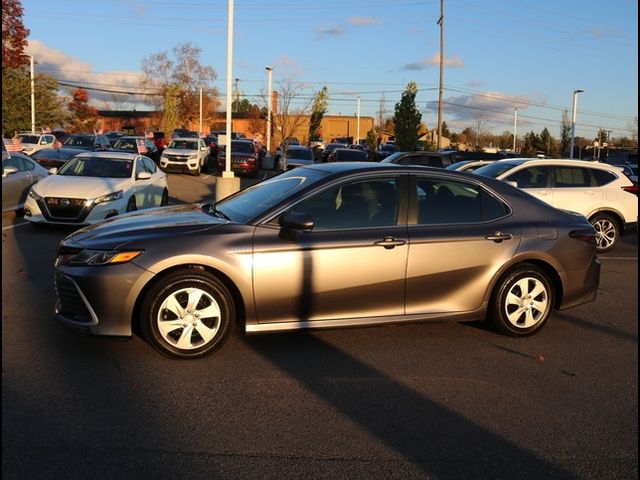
[(522, 302), (607, 232), (187, 314)]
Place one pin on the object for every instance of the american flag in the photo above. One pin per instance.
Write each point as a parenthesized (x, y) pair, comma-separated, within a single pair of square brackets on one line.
[(142, 148), (15, 145)]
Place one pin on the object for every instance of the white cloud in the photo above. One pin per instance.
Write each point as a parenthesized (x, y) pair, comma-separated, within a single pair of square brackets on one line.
[(452, 62), (496, 106), (68, 69), (364, 21)]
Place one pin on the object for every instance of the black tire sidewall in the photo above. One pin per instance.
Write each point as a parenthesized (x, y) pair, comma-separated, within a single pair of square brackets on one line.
[(177, 281), (498, 317)]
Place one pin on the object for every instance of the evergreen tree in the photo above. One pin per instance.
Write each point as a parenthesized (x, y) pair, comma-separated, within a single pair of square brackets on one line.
[(407, 119), (319, 108)]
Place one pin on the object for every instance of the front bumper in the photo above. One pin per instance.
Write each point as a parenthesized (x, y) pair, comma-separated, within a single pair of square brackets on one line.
[(98, 300), (39, 212), (181, 166)]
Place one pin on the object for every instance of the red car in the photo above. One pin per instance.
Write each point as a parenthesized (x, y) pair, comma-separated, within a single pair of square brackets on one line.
[(244, 158)]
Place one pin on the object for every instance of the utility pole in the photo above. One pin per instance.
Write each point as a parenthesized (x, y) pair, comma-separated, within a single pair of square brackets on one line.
[(269, 70), (515, 128), (440, 88), (237, 96), (358, 124), (200, 131)]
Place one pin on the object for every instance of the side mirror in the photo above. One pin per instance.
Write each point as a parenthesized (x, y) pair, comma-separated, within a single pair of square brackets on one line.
[(7, 170), (53, 171), (299, 221), (143, 176)]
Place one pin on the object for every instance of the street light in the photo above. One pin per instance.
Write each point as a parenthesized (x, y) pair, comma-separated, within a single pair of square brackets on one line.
[(33, 93), (269, 106), (573, 119), (227, 168)]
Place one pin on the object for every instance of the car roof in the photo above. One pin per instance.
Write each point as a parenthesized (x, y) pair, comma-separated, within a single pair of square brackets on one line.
[(557, 161), (109, 154)]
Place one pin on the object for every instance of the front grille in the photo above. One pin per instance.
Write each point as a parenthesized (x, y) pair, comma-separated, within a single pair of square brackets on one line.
[(64, 207), (55, 210), (71, 305), (177, 158)]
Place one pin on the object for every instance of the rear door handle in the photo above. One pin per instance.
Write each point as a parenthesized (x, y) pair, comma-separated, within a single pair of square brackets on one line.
[(389, 242), (499, 237)]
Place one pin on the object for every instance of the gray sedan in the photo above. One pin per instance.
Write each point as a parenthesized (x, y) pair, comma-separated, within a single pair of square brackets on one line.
[(329, 245), (19, 172)]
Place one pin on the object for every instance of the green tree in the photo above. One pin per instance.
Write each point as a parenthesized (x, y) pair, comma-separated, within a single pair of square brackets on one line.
[(83, 116), (445, 130), (319, 108), (407, 119), (547, 142), (16, 101), (565, 134), (14, 35), (171, 114)]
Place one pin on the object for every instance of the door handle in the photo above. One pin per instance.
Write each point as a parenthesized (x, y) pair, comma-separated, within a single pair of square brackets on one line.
[(389, 242), (499, 237)]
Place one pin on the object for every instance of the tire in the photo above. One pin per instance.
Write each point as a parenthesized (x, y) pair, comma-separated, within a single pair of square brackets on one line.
[(164, 201), (177, 328), (607, 231), (522, 301), (196, 172), (131, 205)]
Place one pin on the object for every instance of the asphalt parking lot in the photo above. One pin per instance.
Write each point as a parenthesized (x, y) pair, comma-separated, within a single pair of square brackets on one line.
[(439, 400)]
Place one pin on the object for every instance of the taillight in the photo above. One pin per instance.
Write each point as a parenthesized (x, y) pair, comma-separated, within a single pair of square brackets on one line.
[(587, 235), (631, 189)]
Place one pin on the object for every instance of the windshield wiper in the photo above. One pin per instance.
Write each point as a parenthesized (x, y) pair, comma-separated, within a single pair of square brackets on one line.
[(218, 213)]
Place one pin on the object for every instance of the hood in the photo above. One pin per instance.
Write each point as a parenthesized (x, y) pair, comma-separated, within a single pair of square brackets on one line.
[(79, 187), (179, 151), (141, 227)]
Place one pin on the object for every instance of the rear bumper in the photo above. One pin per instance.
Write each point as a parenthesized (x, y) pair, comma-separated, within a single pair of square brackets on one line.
[(581, 286)]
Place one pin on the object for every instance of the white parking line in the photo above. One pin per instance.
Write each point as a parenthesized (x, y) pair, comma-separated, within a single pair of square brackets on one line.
[(14, 226)]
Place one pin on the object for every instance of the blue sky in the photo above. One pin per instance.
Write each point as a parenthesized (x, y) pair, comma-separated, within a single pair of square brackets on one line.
[(499, 54)]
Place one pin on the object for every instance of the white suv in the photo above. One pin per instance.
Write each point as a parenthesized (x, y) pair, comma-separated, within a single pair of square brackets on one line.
[(32, 142), (188, 155), (600, 192)]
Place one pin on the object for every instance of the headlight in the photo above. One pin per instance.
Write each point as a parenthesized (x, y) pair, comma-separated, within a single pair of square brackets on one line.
[(102, 257), (193, 157), (110, 197), (34, 195)]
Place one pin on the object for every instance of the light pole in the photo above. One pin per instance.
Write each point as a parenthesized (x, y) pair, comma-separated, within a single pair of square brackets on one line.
[(269, 106), (515, 129), (358, 124), (573, 119), (33, 93), (227, 167)]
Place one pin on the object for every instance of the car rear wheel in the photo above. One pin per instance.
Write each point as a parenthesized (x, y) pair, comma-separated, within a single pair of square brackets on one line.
[(522, 301), (187, 314), (607, 232)]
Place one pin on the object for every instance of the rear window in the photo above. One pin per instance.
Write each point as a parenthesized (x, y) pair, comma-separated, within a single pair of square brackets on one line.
[(496, 169), (29, 138), (242, 147), (350, 155), (602, 177)]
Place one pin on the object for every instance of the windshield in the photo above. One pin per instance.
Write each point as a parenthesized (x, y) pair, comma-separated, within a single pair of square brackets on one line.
[(79, 141), (392, 158), (184, 144), (97, 167), (495, 169), (300, 153), (127, 144), (259, 198), (29, 138)]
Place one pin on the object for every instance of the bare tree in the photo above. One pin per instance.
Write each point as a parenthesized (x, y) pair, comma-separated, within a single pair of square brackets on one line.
[(294, 106), (480, 126)]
